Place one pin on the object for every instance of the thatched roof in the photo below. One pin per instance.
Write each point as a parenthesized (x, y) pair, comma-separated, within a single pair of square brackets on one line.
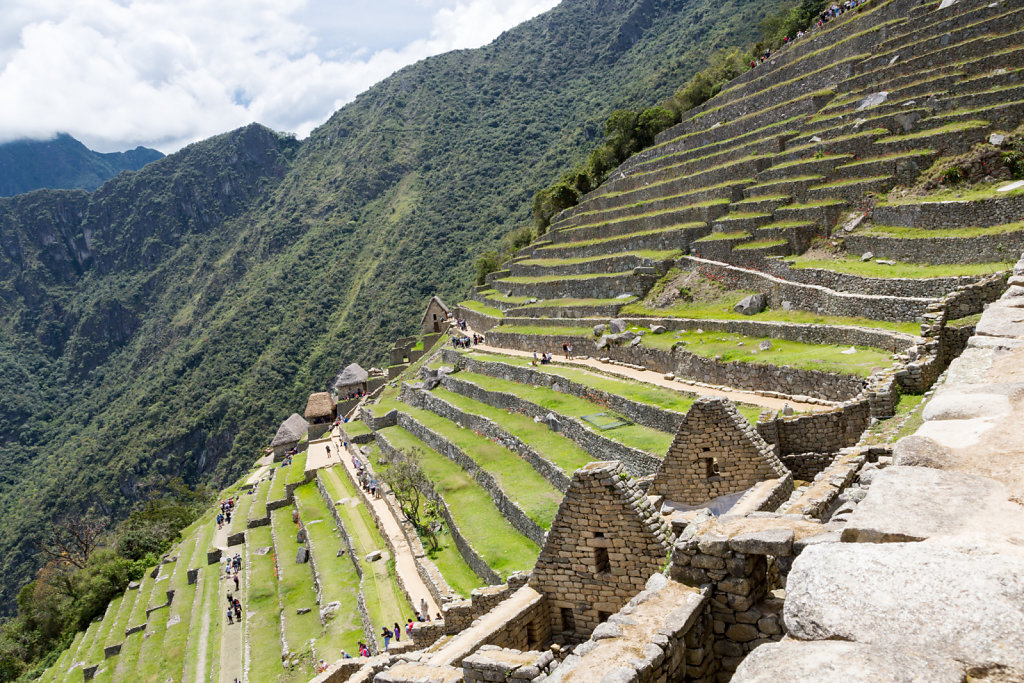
[(440, 303), (290, 431), (352, 374), (319, 405)]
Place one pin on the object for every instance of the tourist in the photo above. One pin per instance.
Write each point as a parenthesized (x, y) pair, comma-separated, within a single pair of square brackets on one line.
[(439, 617), (363, 650), (235, 577), (385, 633), (570, 351), (321, 666), (565, 350), (220, 521), (345, 655), (230, 616), (398, 633)]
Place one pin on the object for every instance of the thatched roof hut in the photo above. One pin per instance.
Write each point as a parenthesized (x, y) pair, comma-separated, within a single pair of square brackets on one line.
[(351, 377), (320, 408), (291, 431)]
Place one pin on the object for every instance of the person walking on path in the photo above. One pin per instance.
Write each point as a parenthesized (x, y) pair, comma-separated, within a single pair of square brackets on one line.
[(398, 633), (230, 616), (235, 577), (424, 609), (386, 634)]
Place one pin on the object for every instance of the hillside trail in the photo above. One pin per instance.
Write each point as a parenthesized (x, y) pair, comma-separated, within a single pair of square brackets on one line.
[(232, 642), (405, 562), (658, 379)]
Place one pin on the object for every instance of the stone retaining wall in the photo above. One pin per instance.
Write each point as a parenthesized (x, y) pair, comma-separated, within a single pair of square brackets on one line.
[(752, 376), (806, 466), (650, 416), (824, 431), (596, 287), (942, 215), (469, 554), (479, 322), (636, 461), (419, 398), (933, 287), (939, 250), (809, 297), (508, 508)]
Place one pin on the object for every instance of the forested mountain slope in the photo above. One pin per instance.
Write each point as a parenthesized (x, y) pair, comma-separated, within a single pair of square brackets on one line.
[(63, 162), (164, 324)]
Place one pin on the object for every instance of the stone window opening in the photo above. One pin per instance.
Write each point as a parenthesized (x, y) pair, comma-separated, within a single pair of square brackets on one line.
[(602, 564), (710, 466), (568, 620), (603, 616)]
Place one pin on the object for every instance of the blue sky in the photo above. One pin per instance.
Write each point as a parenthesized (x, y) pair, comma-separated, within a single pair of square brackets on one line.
[(163, 73)]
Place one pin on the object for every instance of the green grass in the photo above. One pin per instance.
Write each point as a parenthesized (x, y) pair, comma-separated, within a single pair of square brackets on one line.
[(294, 584), (799, 162), (538, 279), (459, 576), (193, 546), (297, 470), (751, 200), (729, 347), (240, 515), (95, 651), (846, 182), (604, 240), (345, 630), (578, 302), (557, 330), (258, 509), (793, 179), (277, 483), (555, 447), (654, 255), (503, 548), (263, 626), (148, 668), (814, 204), (636, 436), (967, 193), (894, 155), (355, 428), (57, 669), (717, 236), (948, 128), (852, 265), (483, 308), (641, 392), (906, 420), (922, 233), (516, 477), (760, 244), (496, 295)]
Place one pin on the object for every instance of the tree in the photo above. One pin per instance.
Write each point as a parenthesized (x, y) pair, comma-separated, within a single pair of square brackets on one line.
[(72, 540), (407, 482)]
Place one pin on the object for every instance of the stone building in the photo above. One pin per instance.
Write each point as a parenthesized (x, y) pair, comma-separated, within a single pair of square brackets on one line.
[(716, 452), (321, 411), (435, 316), (351, 380), (288, 435), (604, 543)]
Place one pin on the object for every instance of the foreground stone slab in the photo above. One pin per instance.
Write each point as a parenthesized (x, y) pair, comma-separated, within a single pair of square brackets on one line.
[(834, 661), (915, 503), (926, 597)]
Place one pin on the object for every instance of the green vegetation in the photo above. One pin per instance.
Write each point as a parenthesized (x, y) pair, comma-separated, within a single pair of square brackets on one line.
[(715, 236), (482, 308), (652, 254), (636, 436), (922, 233), (730, 347), (295, 585), (603, 240), (503, 548), (928, 132), (854, 266), (761, 244), (356, 428), (969, 194), (578, 302), (263, 620), (641, 392)]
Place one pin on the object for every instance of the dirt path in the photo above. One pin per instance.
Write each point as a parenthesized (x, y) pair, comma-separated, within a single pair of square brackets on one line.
[(405, 563), (658, 379)]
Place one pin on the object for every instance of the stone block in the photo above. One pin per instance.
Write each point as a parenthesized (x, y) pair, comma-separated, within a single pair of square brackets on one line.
[(777, 542)]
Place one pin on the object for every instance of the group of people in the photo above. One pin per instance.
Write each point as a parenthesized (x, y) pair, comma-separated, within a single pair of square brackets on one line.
[(544, 358), (826, 15), (461, 323), (358, 393), (232, 566), (226, 508), (464, 342), (567, 350), (367, 480), (234, 609)]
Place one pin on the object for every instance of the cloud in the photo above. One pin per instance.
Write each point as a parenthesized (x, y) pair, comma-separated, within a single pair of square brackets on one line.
[(117, 73)]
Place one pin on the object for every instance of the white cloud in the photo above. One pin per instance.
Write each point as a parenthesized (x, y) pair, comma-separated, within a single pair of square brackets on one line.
[(116, 73)]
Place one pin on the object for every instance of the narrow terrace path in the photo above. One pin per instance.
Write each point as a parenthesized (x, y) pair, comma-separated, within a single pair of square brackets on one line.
[(232, 642), (656, 378), (405, 564)]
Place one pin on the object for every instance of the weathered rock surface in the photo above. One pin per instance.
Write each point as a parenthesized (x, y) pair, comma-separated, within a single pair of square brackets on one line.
[(833, 661), (617, 325), (915, 503), (968, 606), (920, 451), (755, 303)]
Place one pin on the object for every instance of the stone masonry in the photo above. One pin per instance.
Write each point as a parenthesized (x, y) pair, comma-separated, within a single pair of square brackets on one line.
[(715, 452), (604, 543)]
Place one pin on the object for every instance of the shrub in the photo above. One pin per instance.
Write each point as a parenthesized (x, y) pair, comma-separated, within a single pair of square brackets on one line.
[(487, 263)]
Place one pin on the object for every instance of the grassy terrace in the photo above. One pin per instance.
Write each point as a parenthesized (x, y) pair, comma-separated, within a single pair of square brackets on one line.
[(384, 599), (148, 666), (277, 483), (760, 244), (57, 669), (483, 308), (240, 515), (498, 296), (846, 182), (716, 236), (537, 279), (921, 233), (578, 302), (968, 193), (649, 214), (172, 651), (692, 176), (258, 508), (596, 213), (641, 392), (295, 585), (728, 347), (854, 266), (297, 470), (345, 629), (503, 548), (636, 436), (652, 254), (557, 448), (516, 477), (356, 428), (928, 132), (263, 625), (779, 181), (890, 157), (603, 240)]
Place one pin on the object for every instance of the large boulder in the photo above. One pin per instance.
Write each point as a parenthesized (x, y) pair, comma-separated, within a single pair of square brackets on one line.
[(755, 303), (924, 596), (599, 329), (834, 661), (617, 325)]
